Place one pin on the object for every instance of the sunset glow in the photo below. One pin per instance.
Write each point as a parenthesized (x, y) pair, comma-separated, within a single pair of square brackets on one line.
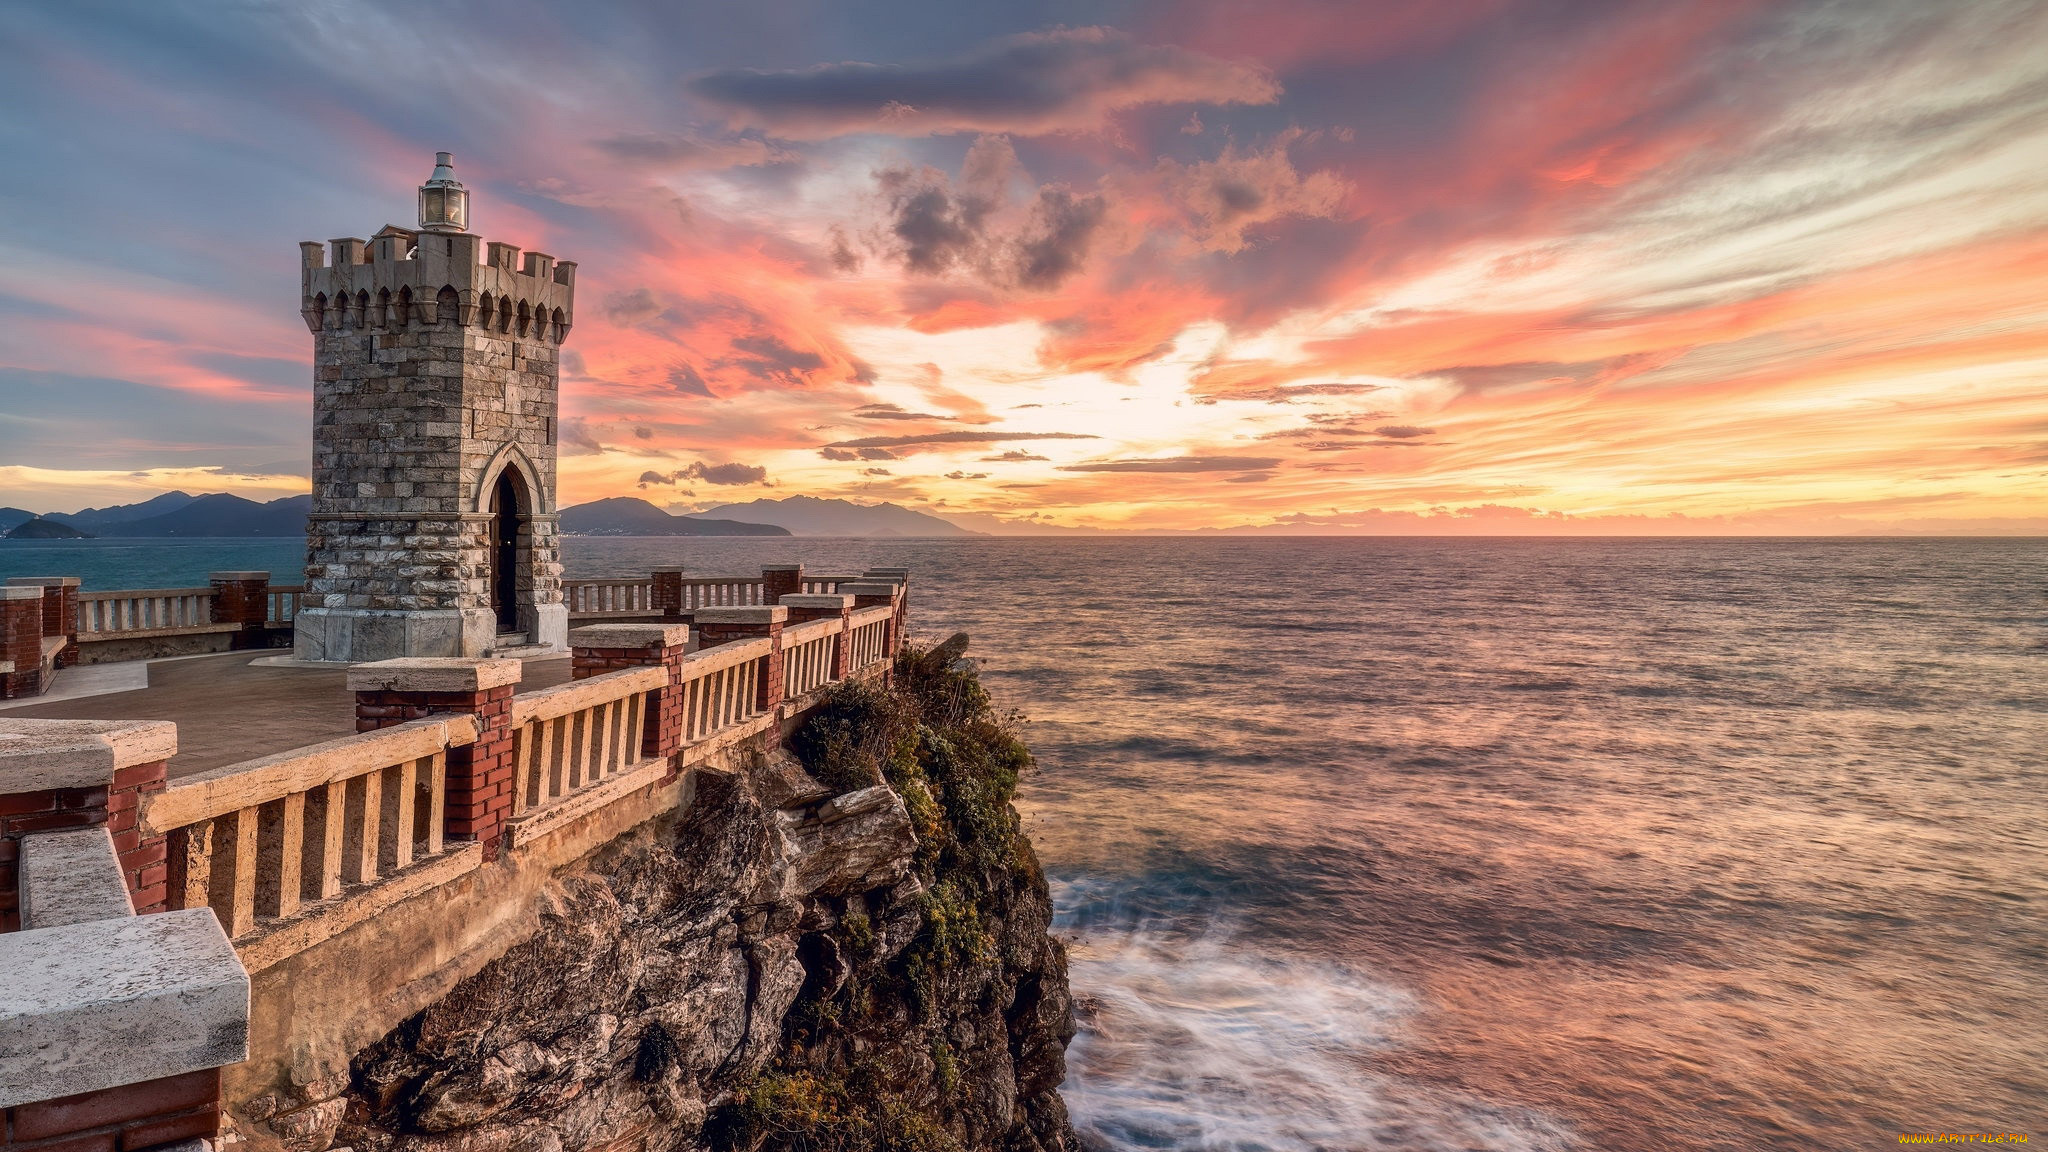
[(1491, 266)]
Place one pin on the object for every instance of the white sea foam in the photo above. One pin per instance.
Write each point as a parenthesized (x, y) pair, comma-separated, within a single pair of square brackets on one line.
[(1201, 1044)]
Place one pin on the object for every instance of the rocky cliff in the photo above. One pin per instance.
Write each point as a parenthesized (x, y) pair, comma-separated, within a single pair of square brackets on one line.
[(843, 946)]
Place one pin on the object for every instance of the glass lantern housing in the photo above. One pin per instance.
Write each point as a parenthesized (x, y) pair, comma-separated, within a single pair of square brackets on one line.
[(444, 202)]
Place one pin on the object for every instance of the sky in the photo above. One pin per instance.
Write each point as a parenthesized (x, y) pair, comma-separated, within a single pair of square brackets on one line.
[(1455, 266)]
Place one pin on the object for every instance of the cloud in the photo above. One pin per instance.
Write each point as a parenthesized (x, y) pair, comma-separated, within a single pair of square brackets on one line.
[(1062, 80), (892, 412), (858, 454), (677, 151), (1403, 431), (1063, 224), (729, 474), (1234, 194), (955, 438), (977, 227), (1014, 455), (1180, 464), (966, 475), (576, 439)]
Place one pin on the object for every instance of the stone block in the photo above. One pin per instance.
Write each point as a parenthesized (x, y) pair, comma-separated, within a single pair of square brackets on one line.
[(433, 675), (71, 878), (761, 614), (630, 636), (829, 601), (107, 1003), (41, 755)]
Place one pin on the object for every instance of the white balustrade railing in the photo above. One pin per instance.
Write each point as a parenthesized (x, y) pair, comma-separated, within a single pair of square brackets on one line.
[(807, 651), (600, 598), (284, 604), (869, 643), (722, 592), (572, 736), (722, 687), (155, 610), (261, 840)]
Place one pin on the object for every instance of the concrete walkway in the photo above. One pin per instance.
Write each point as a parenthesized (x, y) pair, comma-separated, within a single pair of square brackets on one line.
[(228, 710)]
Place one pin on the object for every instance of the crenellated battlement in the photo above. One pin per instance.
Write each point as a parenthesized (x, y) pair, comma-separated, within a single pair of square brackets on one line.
[(436, 395), (405, 279)]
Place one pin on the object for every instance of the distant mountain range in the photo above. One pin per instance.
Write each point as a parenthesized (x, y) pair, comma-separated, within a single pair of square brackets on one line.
[(40, 528), (218, 514), (813, 516), (626, 516), (173, 514)]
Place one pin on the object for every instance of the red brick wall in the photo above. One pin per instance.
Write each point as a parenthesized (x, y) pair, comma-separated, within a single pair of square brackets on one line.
[(125, 1119), (243, 602), (142, 857), (842, 647), (21, 640), (668, 595), (712, 635), (663, 736), (118, 807), (479, 774), (60, 618), (779, 582)]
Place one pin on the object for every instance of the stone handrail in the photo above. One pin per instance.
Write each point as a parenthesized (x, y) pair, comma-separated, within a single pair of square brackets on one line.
[(264, 840), (596, 599), (577, 735), (283, 604), (722, 687), (156, 611), (807, 656), (869, 642)]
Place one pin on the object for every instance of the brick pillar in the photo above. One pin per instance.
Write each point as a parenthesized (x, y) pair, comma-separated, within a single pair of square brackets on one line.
[(779, 580), (717, 626), (901, 578), (668, 594), (60, 774), (21, 640), (870, 593), (390, 692), (242, 598), (603, 648), (805, 607), (60, 611)]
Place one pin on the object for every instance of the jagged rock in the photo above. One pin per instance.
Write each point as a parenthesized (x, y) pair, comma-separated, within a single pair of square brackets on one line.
[(783, 783), (848, 844), (771, 929)]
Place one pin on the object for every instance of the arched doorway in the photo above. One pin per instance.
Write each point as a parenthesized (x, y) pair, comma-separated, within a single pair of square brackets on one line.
[(507, 499)]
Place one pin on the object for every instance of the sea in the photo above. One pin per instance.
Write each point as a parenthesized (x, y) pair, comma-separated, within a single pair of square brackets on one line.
[(1438, 845)]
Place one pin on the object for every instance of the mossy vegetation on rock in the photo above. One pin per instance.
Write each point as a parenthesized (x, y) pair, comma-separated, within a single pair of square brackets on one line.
[(843, 949), (954, 1039)]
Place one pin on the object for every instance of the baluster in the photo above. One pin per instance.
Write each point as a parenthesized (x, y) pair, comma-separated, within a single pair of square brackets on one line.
[(557, 754), (191, 864), (282, 845), (604, 718), (395, 816), (525, 747), (365, 822), (233, 894), (326, 813), (437, 800)]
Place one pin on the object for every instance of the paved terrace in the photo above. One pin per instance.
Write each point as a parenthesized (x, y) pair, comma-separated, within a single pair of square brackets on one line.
[(228, 708)]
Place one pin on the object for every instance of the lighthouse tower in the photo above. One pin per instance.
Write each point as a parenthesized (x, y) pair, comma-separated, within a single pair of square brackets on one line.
[(435, 399)]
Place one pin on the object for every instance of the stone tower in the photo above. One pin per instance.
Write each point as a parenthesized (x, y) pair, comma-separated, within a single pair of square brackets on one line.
[(433, 531)]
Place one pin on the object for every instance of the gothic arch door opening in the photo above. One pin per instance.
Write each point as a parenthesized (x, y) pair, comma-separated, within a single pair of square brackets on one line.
[(506, 499)]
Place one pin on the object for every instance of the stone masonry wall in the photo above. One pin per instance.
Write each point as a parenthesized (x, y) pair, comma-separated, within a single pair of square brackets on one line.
[(428, 366)]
